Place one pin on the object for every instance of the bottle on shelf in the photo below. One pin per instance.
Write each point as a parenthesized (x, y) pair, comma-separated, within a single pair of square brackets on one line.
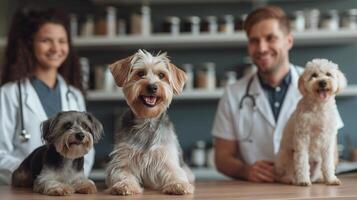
[(209, 25), (198, 154), (192, 25), (206, 76), (140, 24), (111, 21), (73, 25), (87, 29), (188, 68), (171, 25)]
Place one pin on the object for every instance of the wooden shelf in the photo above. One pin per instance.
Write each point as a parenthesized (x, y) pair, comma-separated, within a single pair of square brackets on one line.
[(237, 39), (350, 91)]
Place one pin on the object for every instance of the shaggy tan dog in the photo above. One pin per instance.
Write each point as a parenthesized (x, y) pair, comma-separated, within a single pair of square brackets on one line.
[(308, 143), (147, 152)]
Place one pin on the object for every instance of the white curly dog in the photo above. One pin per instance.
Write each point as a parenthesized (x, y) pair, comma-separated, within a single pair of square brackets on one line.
[(309, 139)]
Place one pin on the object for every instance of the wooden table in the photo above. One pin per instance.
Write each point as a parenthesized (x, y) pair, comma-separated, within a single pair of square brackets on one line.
[(217, 190)]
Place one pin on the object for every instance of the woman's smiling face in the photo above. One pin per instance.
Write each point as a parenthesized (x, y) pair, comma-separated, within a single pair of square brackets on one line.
[(51, 46)]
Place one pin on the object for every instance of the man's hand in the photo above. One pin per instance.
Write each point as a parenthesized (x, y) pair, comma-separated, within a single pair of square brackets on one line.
[(261, 171)]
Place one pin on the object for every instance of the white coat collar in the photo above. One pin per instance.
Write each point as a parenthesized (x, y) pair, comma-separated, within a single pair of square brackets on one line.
[(33, 102), (262, 102)]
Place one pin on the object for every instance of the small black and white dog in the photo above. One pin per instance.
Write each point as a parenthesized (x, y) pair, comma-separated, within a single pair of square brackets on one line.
[(56, 168)]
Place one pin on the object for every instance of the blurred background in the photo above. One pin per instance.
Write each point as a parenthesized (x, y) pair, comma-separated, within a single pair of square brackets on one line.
[(205, 38)]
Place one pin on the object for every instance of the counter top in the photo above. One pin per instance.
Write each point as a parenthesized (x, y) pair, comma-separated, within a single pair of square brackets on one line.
[(218, 190)]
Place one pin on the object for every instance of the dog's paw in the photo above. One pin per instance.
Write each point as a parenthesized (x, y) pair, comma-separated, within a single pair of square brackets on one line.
[(178, 189), (303, 183), (125, 188), (334, 181), (86, 187), (62, 190)]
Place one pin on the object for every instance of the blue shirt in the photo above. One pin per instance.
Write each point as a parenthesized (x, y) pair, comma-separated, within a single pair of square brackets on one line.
[(50, 98), (276, 94)]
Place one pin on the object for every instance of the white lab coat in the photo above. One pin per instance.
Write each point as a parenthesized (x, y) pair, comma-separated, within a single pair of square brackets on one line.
[(12, 150), (257, 133)]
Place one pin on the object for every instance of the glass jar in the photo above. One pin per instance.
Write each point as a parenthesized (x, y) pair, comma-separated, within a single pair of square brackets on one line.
[(192, 25), (111, 21), (188, 68), (349, 19), (209, 24), (230, 77), (206, 76), (312, 17), (239, 24), (297, 21), (88, 27), (198, 154), (73, 25), (330, 20), (227, 24), (172, 25), (121, 26)]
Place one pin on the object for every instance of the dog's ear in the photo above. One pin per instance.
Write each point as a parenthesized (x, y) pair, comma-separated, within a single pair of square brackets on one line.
[(341, 81), (179, 78), (46, 128), (96, 127), (120, 70), (301, 85)]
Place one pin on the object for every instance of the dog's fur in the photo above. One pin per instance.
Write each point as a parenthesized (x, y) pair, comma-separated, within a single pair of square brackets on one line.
[(146, 151), (309, 139), (56, 168)]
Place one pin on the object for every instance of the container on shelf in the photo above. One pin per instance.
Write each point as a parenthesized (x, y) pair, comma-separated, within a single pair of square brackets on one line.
[(172, 25), (239, 22), (312, 18), (230, 77), (227, 24), (191, 25), (87, 29), (140, 23), (73, 20), (121, 27), (209, 25), (111, 21), (198, 154), (330, 20), (297, 21), (188, 68), (349, 19), (206, 76), (101, 26), (85, 67)]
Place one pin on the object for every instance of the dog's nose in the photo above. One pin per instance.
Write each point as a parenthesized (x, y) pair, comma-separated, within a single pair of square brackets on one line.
[(79, 136), (322, 83), (152, 88)]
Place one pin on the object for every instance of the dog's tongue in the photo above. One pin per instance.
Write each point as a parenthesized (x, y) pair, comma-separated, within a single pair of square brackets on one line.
[(323, 94), (151, 100)]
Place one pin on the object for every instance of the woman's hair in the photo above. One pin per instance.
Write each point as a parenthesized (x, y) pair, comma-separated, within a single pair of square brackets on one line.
[(20, 60), (267, 12)]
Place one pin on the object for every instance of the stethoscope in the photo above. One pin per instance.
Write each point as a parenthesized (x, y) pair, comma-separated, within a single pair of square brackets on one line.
[(252, 99), (24, 135)]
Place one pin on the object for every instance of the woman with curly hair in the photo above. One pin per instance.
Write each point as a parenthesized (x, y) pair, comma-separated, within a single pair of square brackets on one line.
[(40, 77)]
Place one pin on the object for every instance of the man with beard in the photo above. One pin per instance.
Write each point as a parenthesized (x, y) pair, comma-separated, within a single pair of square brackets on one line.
[(252, 113)]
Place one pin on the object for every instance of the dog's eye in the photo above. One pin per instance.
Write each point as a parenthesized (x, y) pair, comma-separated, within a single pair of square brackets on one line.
[(328, 74), (161, 75), (314, 75), (140, 74), (86, 127), (68, 125)]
